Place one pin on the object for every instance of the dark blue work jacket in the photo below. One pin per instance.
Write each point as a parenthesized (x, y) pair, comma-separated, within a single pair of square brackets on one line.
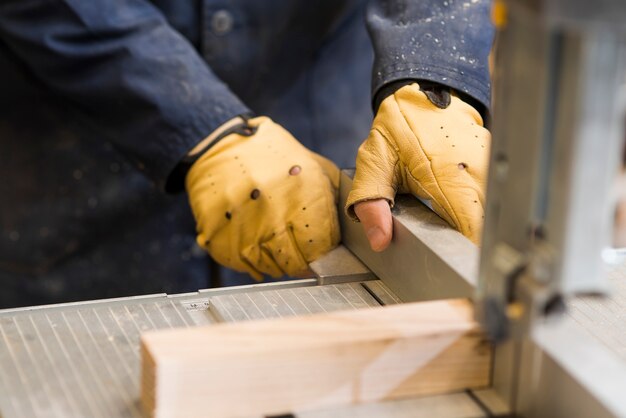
[(100, 99)]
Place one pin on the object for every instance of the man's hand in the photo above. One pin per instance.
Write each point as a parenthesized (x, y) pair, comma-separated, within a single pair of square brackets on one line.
[(264, 203), (437, 153)]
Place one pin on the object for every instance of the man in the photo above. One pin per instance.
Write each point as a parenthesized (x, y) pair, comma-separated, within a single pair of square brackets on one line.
[(171, 87)]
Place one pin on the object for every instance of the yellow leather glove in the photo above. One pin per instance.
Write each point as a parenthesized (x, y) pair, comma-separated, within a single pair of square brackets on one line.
[(439, 155), (263, 203)]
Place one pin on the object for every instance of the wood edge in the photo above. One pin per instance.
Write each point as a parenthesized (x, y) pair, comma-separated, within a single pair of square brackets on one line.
[(148, 382)]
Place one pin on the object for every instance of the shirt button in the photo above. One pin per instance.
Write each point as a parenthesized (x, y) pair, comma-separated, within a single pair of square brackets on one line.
[(222, 22)]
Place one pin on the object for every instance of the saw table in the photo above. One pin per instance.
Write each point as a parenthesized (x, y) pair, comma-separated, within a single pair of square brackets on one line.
[(82, 359)]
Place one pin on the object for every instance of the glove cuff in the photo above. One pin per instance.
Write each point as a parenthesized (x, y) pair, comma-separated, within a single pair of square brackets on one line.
[(238, 125), (438, 94), (389, 89)]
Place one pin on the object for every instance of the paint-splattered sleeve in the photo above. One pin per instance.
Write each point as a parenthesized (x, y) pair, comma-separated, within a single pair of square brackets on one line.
[(125, 71), (443, 41)]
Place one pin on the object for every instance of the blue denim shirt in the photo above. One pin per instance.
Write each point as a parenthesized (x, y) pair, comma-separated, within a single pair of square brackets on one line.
[(100, 99)]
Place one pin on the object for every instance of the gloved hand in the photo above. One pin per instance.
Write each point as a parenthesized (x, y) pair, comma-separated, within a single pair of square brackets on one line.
[(264, 203), (437, 153)]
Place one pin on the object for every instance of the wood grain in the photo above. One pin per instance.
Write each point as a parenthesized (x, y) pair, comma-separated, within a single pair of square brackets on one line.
[(304, 363)]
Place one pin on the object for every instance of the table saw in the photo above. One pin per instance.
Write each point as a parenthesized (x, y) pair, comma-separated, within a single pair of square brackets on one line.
[(545, 286), (82, 359)]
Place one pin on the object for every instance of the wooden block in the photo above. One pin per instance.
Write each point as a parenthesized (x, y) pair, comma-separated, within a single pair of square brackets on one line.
[(302, 363)]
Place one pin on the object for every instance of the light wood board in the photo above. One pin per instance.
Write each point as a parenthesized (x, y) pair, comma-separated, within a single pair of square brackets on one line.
[(306, 363)]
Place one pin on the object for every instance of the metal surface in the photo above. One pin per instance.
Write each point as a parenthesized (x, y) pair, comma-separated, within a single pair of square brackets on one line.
[(426, 260), (288, 302), (572, 367), (340, 266), (381, 293), (80, 361), (605, 317), (588, 141), (565, 373)]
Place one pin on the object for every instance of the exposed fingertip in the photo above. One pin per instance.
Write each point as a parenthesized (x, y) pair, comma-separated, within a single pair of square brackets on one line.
[(375, 216), (378, 239)]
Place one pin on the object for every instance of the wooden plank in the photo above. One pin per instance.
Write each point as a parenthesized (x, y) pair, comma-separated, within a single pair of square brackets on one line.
[(305, 363)]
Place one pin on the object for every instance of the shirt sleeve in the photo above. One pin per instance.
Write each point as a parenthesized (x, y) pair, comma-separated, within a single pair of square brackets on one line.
[(443, 41), (125, 70)]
